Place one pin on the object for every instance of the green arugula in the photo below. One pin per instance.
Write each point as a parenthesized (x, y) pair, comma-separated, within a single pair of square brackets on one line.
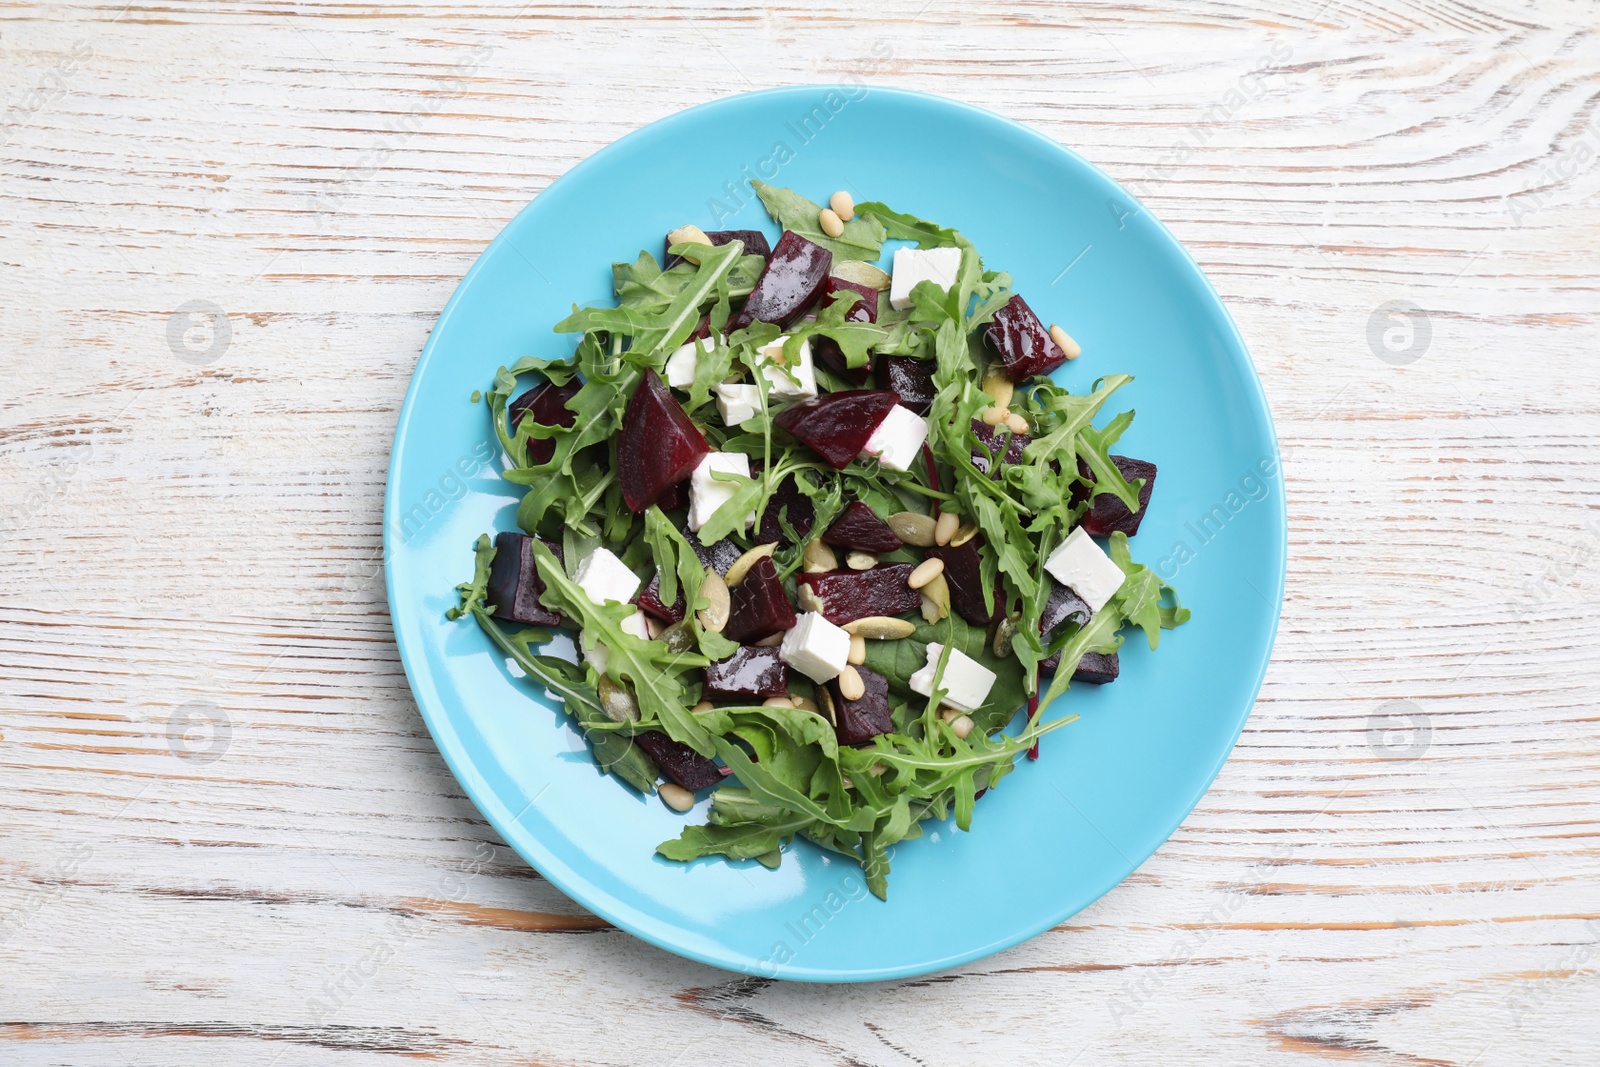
[(862, 237)]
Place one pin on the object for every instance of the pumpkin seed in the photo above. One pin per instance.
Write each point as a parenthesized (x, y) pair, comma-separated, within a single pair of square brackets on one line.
[(914, 528), (741, 566), (861, 272), (966, 533), (714, 616), (880, 628), (616, 701)]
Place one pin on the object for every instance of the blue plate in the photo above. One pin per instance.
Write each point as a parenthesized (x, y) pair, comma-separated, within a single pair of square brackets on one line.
[(1108, 789)]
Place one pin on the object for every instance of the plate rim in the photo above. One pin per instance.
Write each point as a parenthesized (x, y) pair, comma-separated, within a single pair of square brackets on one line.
[(629, 917)]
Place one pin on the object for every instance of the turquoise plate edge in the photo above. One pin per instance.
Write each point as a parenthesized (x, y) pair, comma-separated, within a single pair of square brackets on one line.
[(640, 918)]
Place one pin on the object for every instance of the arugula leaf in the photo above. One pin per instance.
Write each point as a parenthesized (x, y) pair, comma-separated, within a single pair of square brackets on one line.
[(653, 668), (614, 752), (862, 237)]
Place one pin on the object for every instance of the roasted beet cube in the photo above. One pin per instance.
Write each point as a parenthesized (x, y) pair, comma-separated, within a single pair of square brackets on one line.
[(759, 606), (789, 502), (719, 555), (846, 596), (751, 673), (1096, 668), (1021, 341), (678, 761), (836, 426), (674, 496), (909, 377), (860, 527), (791, 283), (963, 574), (1107, 513), (826, 349), (1062, 607), (859, 721), (658, 446), (991, 441), (755, 244), (514, 583), (546, 404), (650, 602)]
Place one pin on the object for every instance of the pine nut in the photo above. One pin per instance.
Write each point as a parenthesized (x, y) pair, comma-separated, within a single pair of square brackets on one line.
[(831, 223), (994, 416), (947, 713), (741, 566), (1070, 348), (858, 649), (961, 726), (704, 705), (946, 527), (998, 386), (936, 599), (843, 204), (676, 796), (687, 235), (860, 561), (851, 687), (770, 642), (1016, 423), (925, 572), (819, 558), (777, 702)]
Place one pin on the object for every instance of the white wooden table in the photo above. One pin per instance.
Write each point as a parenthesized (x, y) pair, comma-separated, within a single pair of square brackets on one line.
[(225, 836)]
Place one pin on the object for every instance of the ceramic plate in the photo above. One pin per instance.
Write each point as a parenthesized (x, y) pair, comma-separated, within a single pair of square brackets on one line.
[(1108, 789)]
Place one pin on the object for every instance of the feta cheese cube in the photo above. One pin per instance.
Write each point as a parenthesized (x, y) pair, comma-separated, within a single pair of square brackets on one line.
[(681, 364), (782, 387), (815, 647), (941, 266), (966, 682), (736, 403), (898, 439), (605, 578), (599, 656), (706, 494), (1082, 566)]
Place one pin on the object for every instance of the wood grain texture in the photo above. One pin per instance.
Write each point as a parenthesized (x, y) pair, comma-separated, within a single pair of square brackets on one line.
[(226, 835)]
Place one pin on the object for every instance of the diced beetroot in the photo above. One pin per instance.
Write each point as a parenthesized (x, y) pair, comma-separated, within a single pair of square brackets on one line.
[(962, 573), (826, 349), (514, 583), (674, 496), (794, 506), (836, 426), (1061, 607), (547, 403), (859, 721), (719, 555), (911, 378), (1097, 668), (850, 595), (755, 244), (650, 602), (678, 761), (1107, 513), (759, 606), (1021, 341), (657, 446), (990, 439), (791, 283), (751, 673), (860, 527)]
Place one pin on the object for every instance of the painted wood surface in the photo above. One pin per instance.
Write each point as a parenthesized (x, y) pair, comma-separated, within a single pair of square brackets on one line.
[(225, 836)]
